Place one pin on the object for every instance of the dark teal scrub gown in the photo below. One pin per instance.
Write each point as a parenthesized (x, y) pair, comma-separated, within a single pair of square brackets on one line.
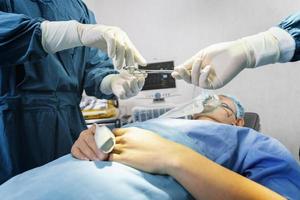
[(292, 25), (39, 92)]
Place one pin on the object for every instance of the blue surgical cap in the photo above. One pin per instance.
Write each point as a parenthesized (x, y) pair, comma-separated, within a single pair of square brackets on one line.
[(240, 111)]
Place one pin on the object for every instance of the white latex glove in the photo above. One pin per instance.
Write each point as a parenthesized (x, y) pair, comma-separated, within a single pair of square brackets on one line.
[(57, 36), (123, 85), (216, 65)]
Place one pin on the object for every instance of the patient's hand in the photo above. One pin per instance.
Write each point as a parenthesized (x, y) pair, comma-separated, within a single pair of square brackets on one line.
[(145, 150), (85, 147)]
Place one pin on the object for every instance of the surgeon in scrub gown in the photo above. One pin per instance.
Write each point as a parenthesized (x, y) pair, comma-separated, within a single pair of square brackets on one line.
[(50, 51)]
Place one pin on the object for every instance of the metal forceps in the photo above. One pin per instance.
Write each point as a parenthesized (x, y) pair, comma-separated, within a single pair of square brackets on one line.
[(134, 70)]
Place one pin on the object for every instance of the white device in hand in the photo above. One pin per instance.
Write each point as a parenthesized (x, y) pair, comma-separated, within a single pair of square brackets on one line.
[(105, 139)]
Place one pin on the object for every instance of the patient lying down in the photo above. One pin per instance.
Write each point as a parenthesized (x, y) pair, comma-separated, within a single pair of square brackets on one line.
[(211, 157)]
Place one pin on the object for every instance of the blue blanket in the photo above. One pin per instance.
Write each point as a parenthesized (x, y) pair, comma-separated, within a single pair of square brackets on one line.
[(245, 151)]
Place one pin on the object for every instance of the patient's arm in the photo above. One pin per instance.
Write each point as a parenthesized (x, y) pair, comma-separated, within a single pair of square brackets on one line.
[(203, 178), (85, 147)]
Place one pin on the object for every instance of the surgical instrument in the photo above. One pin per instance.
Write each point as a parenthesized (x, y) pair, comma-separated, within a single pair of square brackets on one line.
[(134, 70)]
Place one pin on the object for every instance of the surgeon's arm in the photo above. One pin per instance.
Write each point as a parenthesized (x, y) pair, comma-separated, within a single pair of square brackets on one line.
[(20, 39), (102, 81), (203, 178), (216, 65), (97, 68)]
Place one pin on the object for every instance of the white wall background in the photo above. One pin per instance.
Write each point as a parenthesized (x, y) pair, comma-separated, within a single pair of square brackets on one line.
[(177, 29)]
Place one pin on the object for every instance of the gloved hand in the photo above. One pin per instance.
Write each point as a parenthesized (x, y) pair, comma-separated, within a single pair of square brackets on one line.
[(57, 36), (216, 65), (123, 85)]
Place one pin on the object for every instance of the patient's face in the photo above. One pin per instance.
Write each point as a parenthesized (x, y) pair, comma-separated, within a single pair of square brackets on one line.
[(225, 114)]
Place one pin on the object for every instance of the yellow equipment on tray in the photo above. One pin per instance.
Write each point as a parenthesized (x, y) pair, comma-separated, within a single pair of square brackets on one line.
[(108, 112)]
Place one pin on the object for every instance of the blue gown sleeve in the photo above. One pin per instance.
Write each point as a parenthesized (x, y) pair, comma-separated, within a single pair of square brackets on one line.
[(98, 66), (292, 25), (270, 164), (20, 39)]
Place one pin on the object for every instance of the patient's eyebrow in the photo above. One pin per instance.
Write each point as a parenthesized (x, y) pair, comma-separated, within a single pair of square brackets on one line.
[(225, 105)]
